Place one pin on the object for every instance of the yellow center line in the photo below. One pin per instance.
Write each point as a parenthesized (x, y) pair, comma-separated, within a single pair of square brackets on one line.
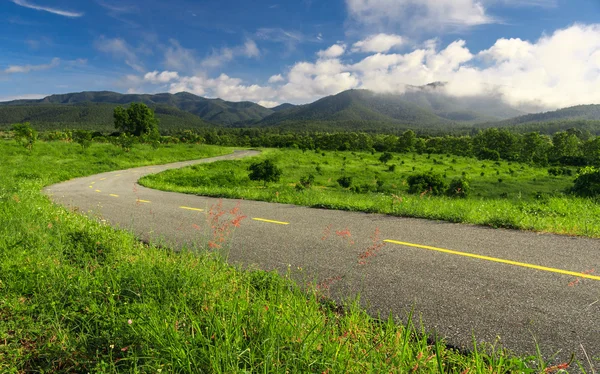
[(499, 260), (98, 191), (102, 179), (93, 183), (189, 208), (143, 201), (270, 221), (118, 175), (113, 195), (91, 186)]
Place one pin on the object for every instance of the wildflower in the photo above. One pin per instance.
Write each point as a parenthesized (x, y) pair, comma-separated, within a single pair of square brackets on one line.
[(129, 321)]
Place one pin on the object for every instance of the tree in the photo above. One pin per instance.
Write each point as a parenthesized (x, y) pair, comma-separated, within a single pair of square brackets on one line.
[(386, 157), (136, 120), (83, 138), (265, 171), (25, 135)]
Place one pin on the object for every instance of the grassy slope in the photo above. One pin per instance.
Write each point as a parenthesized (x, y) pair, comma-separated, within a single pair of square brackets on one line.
[(79, 296), (526, 198)]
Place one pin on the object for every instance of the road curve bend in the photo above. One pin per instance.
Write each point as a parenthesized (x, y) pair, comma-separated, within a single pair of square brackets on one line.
[(513, 286)]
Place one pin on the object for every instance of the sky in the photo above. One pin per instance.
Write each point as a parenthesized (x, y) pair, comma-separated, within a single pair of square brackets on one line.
[(528, 53)]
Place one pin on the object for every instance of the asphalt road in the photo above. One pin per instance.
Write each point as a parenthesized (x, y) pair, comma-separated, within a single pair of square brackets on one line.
[(497, 285)]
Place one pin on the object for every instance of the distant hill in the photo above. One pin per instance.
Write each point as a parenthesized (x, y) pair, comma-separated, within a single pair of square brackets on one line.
[(89, 116), (356, 106), (473, 109), (281, 107), (216, 111), (580, 112)]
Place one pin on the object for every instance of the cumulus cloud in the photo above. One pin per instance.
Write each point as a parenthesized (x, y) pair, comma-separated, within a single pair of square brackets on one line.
[(378, 43), (12, 69), (268, 104), (558, 70), (60, 12), (276, 78), (119, 48), (178, 57), (334, 51)]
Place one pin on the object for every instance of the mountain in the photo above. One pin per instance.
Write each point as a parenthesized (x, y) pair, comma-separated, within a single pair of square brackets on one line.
[(473, 109), (281, 107), (215, 111), (580, 112), (356, 106), (89, 116)]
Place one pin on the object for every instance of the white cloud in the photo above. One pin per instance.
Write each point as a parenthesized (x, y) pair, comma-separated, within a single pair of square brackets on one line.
[(276, 78), (178, 57), (268, 104), (419, 14), (334, 51), (220, 57), (119, 48), (22, 97), (378, 43), (558, 70), (164, 77), (12, 69), (59, 12)]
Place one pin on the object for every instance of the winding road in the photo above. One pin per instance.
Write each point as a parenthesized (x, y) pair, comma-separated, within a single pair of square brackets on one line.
[(509, 286)]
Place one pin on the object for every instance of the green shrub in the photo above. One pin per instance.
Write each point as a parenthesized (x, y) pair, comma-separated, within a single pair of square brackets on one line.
[(434, 183), (345, 181), (587, 183), (459, 187), (265, 171)]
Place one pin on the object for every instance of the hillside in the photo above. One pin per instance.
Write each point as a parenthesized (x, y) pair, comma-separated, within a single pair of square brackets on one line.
[(580, 112), (216, 111), (356, 106), (89, 116)]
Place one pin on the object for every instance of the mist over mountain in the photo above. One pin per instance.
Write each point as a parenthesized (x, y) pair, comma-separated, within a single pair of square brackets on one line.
[(423, 107)]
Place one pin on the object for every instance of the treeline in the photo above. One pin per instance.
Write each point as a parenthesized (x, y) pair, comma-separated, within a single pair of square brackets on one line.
[(570, 148)]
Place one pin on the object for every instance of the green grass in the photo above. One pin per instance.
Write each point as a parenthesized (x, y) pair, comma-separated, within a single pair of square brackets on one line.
[(508, 195), (80, 296)]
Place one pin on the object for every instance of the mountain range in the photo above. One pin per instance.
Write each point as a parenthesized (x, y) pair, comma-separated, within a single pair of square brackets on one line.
[(423, 107)]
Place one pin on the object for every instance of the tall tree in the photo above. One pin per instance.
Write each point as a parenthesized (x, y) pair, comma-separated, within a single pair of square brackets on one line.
[(136, 120)]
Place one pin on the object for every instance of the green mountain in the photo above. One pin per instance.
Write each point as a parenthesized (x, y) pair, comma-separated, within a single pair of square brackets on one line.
[(215, 111), (474, 109), (89, 116), (580, 112), (356, 107)]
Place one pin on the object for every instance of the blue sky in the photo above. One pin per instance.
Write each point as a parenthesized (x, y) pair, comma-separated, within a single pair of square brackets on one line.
[(532, 53)]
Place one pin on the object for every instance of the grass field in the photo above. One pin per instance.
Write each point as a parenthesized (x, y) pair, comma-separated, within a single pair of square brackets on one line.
[(504, 194), (77, 296)]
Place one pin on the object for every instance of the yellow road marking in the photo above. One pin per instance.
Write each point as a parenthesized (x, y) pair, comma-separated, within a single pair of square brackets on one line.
[(118, 175), (499, 260), (91, 186), (270, 221), (93, 183), (143, 201), (102, 179), (194, 209), (98, 191), (113, 195)]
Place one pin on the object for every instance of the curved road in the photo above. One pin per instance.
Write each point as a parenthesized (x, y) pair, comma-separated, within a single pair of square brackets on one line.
[(464, 280)]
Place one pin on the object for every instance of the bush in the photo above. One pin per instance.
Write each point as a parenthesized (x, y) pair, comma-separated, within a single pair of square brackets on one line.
[(434, 183), (587, 183), (345, 181), (459, 187), (307, 181), (265, 171)]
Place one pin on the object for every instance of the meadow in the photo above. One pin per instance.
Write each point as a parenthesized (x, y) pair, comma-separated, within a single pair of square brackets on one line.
[(78, 296), (502, 194)]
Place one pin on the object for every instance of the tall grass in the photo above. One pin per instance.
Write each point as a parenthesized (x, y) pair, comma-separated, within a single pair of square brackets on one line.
[(508, 195), (77, 296)]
